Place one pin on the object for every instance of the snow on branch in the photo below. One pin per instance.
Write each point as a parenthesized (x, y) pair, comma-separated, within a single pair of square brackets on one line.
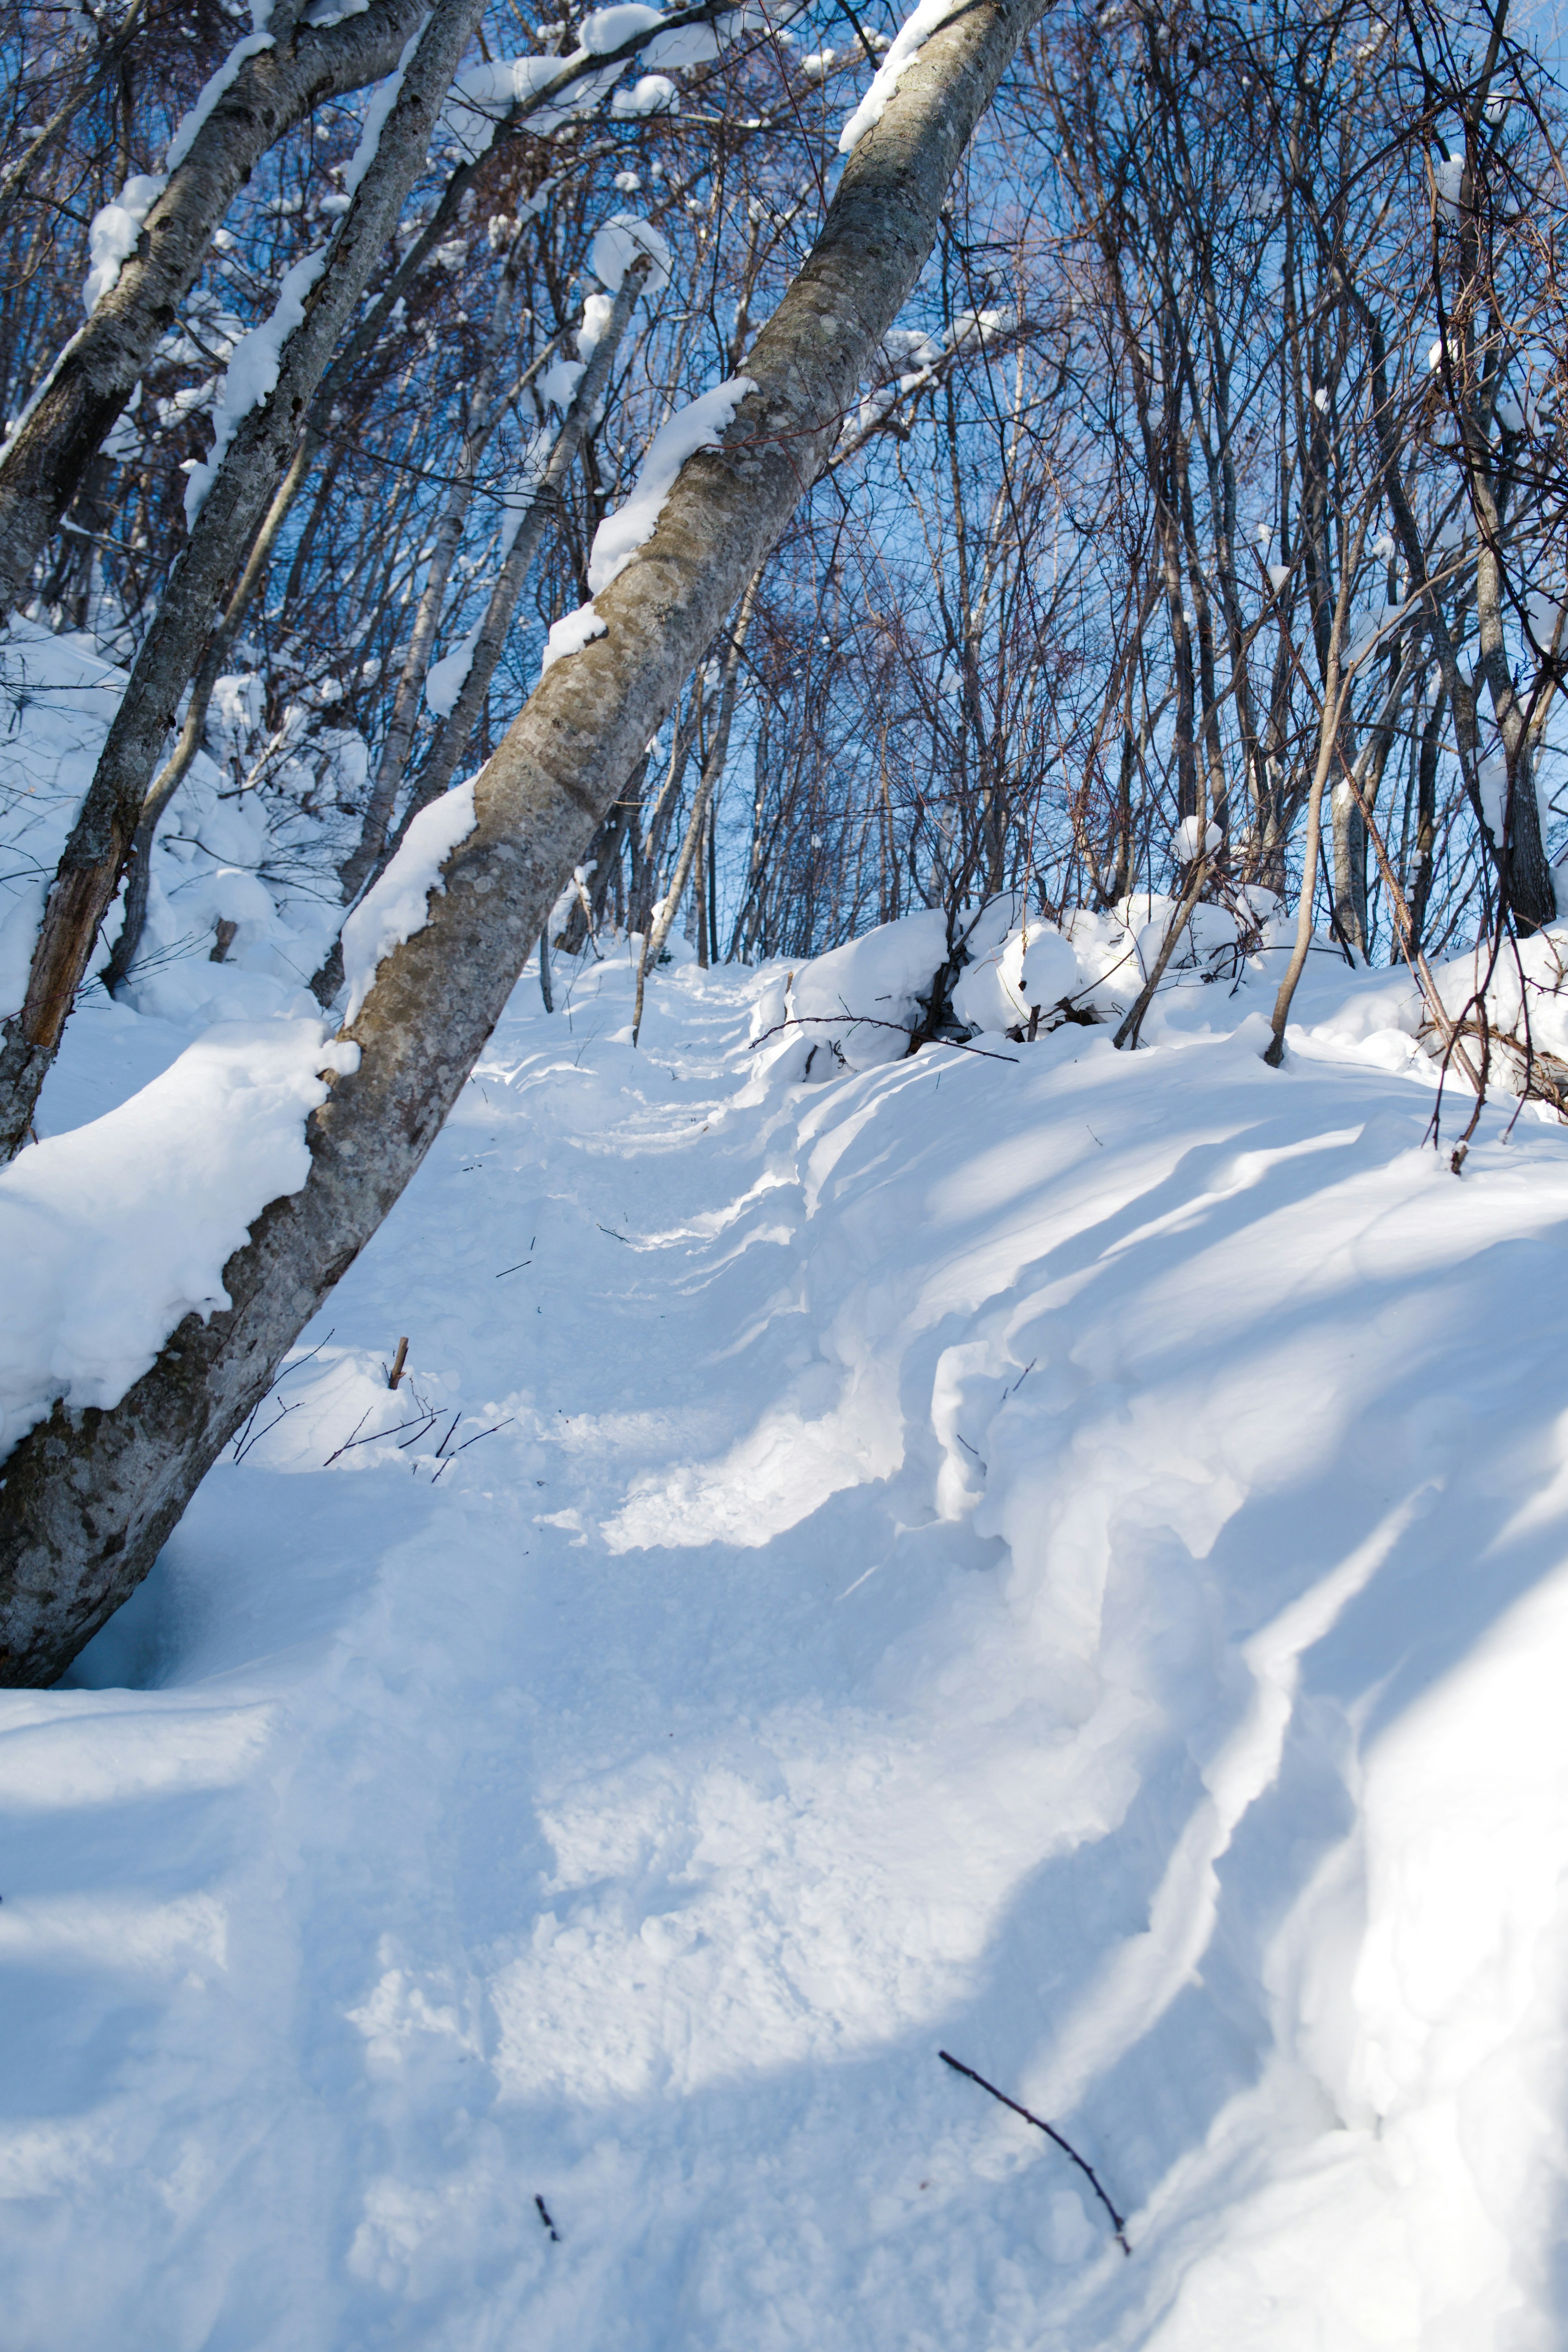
[(115, 1232), (700, 426)]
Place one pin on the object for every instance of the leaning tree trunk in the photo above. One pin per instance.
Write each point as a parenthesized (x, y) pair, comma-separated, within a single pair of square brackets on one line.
[(452, 737), (242, 488), (96, 373), (88, 1500)]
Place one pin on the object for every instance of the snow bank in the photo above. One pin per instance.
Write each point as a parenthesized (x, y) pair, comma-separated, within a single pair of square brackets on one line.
[(399, 904), (858, 1006), (112, 1234)]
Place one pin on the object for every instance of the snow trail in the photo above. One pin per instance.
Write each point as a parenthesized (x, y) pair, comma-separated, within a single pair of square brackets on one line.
[(912, 1536)]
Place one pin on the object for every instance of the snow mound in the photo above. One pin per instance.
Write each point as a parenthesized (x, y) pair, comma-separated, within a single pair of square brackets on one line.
[(855, 1007)]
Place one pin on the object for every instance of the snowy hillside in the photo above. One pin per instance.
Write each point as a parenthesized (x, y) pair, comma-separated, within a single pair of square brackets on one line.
[(1057, 1559)]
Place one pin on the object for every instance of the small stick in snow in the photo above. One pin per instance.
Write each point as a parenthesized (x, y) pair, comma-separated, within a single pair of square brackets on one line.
[(397, 1364), (545, 2217), (515, 1269), (1117, 2223)]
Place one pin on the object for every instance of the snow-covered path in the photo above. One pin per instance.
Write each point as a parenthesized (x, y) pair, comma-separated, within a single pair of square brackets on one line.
[(1063, 1562)]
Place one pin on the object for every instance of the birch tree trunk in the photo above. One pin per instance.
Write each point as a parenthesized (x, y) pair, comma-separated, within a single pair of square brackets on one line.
[(87, 1500), (452, 737), (99, 369)]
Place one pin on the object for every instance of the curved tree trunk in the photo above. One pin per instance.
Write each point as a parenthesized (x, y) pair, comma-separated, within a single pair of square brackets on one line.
[(87, 1500)]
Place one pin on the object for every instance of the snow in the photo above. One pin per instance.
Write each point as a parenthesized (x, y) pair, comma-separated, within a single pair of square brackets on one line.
[(857, 1005), (701, 425), (398, 904), (113, 1233), (619, 244), (481, 95), (570, 633), (112, 233), (559, 380), (191, 122), (606, 28), (650, 94), (1185, 839), (693, 45), (913, 35), (1032, 965), (1059, 1560), (444, 679)]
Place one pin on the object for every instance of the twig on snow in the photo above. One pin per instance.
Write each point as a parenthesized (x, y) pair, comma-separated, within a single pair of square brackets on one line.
[(869, 1021), (1118, 2225)]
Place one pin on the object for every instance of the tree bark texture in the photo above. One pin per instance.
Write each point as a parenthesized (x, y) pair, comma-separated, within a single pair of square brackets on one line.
[(87, 1500)]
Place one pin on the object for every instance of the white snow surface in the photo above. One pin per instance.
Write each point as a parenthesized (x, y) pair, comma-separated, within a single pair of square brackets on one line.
[(399, 903), (700, 425), (112, 233), (650, 94), (112, 1233), (1064, 1561), (444, 679)]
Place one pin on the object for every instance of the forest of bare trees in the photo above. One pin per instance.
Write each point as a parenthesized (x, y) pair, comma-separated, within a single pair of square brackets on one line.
[(1143, 470)]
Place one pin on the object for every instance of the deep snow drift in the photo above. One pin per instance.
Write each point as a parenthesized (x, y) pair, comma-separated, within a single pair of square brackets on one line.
[(1058, 1560)]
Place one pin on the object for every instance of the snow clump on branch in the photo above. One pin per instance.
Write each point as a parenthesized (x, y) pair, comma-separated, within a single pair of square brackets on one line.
[(114, 1232), (700, 426), (399, 905)]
